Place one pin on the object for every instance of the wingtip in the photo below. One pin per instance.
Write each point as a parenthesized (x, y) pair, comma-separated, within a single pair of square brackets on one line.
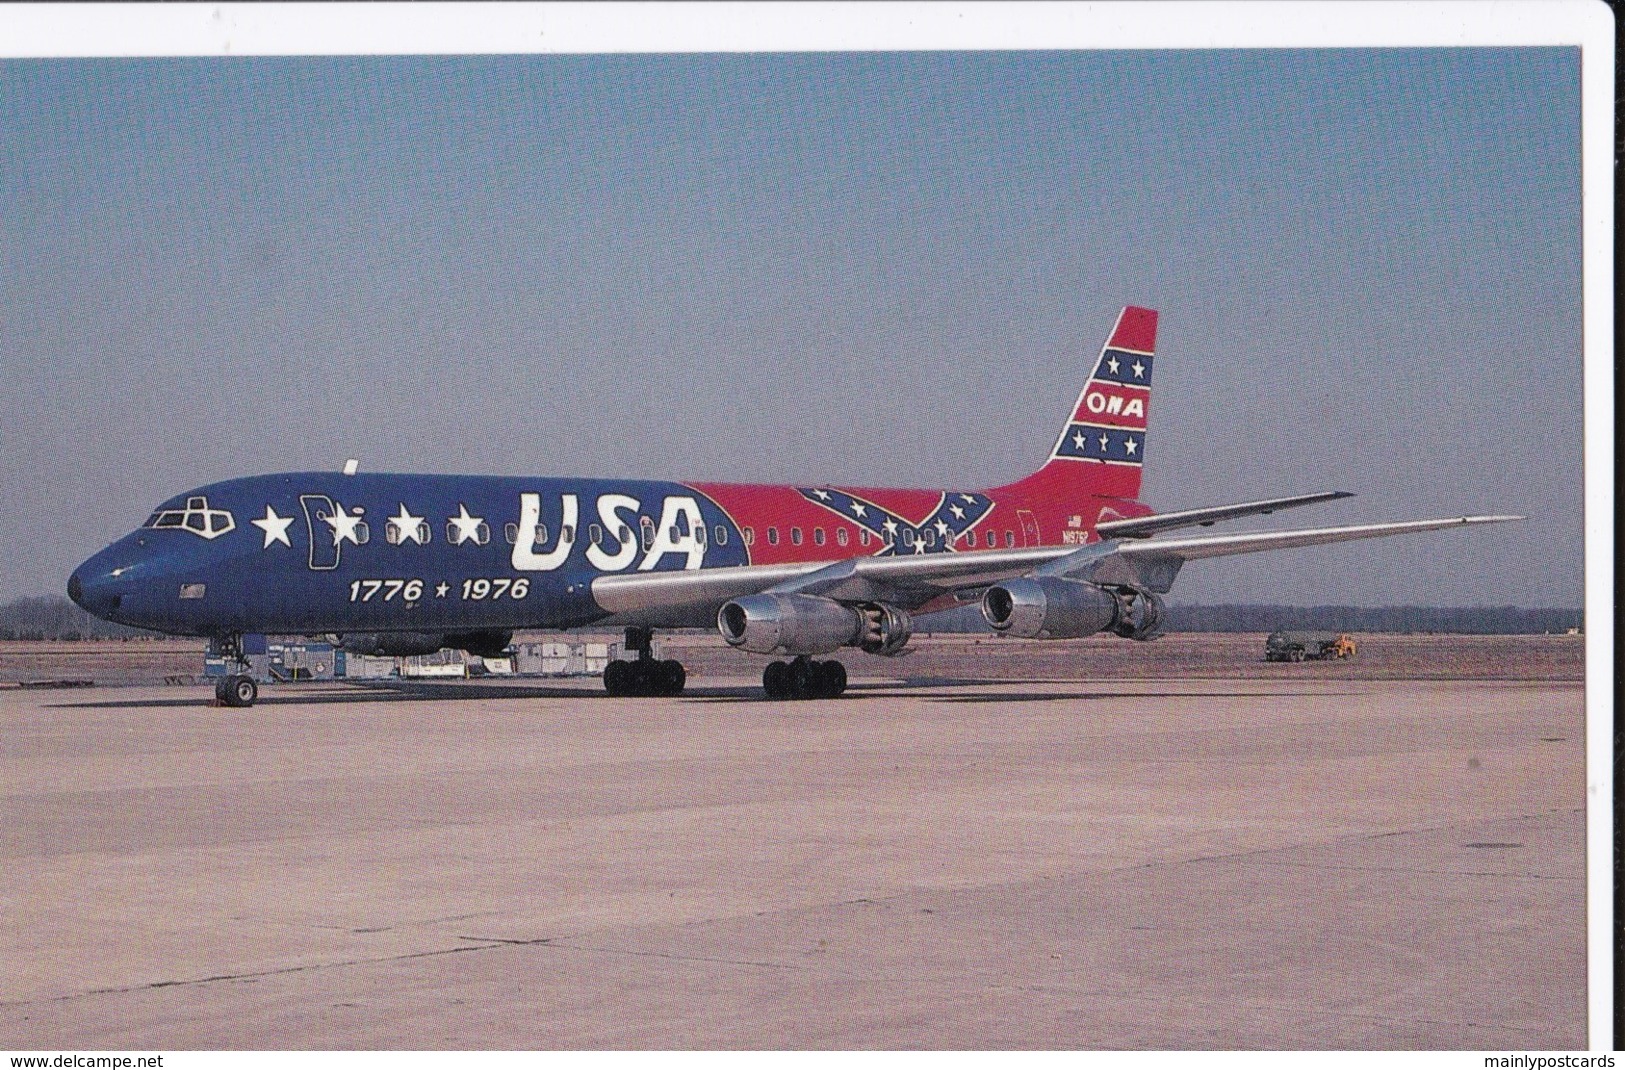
[(1491, 519)]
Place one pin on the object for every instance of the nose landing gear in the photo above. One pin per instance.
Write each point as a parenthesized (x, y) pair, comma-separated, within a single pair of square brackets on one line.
[(236, 689), (646, 677), (804, 678)]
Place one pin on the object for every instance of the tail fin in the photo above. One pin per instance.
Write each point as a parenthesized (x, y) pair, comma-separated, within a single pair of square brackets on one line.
[(1102, 447)]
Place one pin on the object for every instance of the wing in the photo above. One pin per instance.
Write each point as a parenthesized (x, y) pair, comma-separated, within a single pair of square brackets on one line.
[(691, 598), (1154, 563)]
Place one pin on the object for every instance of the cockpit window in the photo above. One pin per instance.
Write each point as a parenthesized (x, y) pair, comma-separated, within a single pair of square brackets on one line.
[(197, 518)]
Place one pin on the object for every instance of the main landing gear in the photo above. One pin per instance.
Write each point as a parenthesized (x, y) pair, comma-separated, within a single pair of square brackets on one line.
[(645, 677), (236, 689), (804, 678)]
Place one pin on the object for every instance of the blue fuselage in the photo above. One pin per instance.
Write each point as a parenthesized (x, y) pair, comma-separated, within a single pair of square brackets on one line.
[(314, 552)]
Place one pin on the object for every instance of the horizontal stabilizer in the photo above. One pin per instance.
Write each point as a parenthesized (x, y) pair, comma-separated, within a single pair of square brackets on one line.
[(1200, 546), (1142, 526)]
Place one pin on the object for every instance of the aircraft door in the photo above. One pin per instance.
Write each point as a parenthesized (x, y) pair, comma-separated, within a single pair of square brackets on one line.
[(324, 549), (1029, 527)]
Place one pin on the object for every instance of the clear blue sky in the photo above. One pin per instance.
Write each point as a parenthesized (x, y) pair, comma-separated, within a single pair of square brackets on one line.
[(872, 268)]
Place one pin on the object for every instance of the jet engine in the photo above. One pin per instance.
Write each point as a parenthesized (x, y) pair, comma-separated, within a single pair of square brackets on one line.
[(789, 624), (886, 629), (1139, 614), (1048, 607), (487, 643)]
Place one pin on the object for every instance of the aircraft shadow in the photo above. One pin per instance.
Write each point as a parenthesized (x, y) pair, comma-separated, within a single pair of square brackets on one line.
[(434, 692)]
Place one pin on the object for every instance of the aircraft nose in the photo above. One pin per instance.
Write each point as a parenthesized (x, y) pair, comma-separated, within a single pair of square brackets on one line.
[(95, 594)]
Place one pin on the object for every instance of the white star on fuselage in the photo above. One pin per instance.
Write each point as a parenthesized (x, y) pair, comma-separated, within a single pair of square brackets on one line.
[(1112, 364), (343, 525), (942, 528), (407, 525), (890, 526), (440, 591), (959, 514), (1077, 439), (823, 495), (1139, 370), (468, 527), (275, 528), (859, 510), (968, 498), (1129, 445), (1103, 441)]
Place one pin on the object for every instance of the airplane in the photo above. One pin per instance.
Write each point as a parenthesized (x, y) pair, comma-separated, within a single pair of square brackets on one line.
[(393, 564)]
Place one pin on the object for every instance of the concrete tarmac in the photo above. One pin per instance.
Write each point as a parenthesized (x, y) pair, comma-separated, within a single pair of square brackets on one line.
[(1164, 864)]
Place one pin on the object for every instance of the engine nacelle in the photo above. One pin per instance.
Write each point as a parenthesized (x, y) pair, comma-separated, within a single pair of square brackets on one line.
[(486, 643), (886, 629), (1047, 607), (1139, 615), (1052, 608), (789, 624)]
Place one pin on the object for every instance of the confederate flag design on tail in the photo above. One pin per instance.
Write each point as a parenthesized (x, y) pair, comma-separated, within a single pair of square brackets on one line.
[(1102, 447)]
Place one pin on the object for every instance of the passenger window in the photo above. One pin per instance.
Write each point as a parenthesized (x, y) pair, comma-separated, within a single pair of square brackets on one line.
[(840, 536), (595, 534), (699, 534), (674, 535), (863, 537), (540, 535), (772, 536), (567, 534), (795, 536), (510, 532), (818, 536), (647, 527), (908, 536), (750, 536), (722, 535), (1010, 539), (626, 535), (992, 540), (930, 536), (362, 533), (423, 532), (482, 534)]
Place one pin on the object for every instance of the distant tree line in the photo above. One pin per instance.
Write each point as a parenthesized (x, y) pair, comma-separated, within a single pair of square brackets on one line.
[(54, 617), (1469, 620)]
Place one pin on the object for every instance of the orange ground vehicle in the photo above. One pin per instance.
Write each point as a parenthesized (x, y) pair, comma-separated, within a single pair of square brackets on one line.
[(1308, 646)]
